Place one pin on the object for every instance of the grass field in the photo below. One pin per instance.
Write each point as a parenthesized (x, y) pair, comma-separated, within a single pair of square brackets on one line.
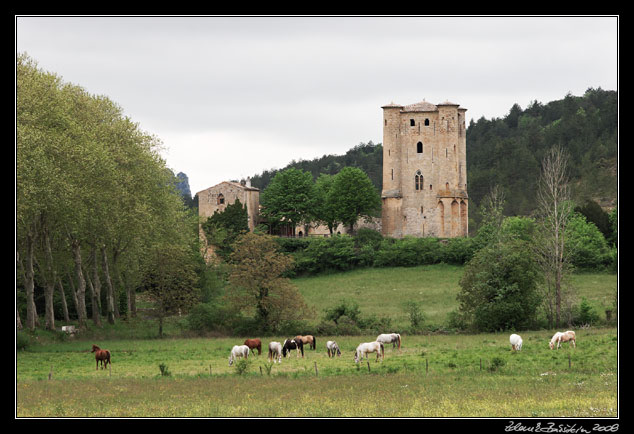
[(432, 376), (436, 375), (382, 291)]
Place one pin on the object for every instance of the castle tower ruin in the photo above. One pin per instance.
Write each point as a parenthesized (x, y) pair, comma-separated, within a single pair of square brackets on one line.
[(424, 171)]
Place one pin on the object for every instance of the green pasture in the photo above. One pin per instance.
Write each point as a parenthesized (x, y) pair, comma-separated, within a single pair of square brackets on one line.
[(383, 291), (432, 376)]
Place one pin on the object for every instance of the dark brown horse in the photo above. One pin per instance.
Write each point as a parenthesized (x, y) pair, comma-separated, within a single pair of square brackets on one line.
[(253, 344), (102, 356), (308, 340)]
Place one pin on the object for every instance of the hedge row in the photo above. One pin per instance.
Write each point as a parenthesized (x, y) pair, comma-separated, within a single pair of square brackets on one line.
[(342, 252)]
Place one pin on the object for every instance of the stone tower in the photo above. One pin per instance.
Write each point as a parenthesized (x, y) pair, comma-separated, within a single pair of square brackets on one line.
[(424, 171)]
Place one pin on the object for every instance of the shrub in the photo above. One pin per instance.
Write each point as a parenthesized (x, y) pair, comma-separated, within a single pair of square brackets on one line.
[(499, 288), (584, 314), (496, 363), (164, 371), (212, 316), (242, 366), (22, 341), (416, 317)]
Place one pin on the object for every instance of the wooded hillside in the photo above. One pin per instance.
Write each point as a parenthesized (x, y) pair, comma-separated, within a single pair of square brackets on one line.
[(507, 152)]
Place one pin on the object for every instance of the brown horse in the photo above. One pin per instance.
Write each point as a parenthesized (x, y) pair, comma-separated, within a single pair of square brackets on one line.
[(102, 356), (308, 340), (253, 344)]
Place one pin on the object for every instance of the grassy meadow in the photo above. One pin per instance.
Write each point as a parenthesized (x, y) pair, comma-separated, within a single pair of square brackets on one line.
[(434, 375)]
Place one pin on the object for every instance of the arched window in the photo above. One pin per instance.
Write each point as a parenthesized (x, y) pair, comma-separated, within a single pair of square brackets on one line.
[(412, 123), (419, 147), (418, 180), (426, 122), (221, 199)]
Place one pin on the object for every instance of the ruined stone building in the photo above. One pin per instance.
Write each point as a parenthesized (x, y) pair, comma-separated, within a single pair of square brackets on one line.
[(217, 198), (424, 171)]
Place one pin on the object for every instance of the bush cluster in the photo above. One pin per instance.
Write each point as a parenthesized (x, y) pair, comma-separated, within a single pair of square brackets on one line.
[(369, 249)]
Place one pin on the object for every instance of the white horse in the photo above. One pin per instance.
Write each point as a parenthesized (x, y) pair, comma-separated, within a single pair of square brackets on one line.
[(559, 337), (333, 349), (238, 351), (369, 347), (390, 338), (275, 352), (516, 342)]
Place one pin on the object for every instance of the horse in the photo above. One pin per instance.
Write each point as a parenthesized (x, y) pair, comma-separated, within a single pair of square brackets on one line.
[(238, 351), (254, 344), (292, 344), (369, 347), (516, 342), (390, 338), (333, 348), (308, 339), (275, 352), (559, 337), (101, 356)]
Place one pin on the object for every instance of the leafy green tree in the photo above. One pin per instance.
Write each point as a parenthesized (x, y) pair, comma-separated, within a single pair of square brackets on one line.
[(223, 227), (325, 211), (289, 198), (352, 195), (171, 281), (256, 282), (499, 288), (589, 248), (595, 214)]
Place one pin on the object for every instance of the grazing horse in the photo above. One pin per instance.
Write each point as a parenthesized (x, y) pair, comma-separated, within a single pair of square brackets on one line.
[(308, 339), (238, 351), (559, 337), (275, 352), (102, 356), (333, 349), (254, 344), (516, 342), (292, 344), (390, 338), (369, 347)]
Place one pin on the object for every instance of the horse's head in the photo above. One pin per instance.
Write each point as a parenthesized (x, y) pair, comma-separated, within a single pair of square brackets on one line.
[(95, 348)]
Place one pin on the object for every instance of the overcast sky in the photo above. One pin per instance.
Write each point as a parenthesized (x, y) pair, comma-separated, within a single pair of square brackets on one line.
[(230, 97)]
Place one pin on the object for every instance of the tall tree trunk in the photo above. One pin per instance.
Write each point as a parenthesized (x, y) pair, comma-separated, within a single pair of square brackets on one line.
[(29, 283), (95, 289), (18, 321), (109, 286), (80, 294), (50, 277), (63, 296)]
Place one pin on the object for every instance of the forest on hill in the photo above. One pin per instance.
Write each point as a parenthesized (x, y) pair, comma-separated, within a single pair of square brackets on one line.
[(508, 151)]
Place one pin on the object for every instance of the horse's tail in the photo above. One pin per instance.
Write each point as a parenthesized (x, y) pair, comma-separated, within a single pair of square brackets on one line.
[(399, 340), (314, 343), (382, 350)]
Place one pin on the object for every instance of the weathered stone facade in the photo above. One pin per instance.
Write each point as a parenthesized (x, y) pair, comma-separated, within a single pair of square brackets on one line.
[(424, 171), (217, 198)]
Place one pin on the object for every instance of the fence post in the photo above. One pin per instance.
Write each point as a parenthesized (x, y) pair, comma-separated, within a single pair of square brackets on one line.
[(426, 367), (316, 371), (368, 366), (50, 374), (569, 362)]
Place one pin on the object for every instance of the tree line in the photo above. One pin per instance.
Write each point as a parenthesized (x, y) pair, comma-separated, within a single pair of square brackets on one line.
[(508, 151), (96, 207)]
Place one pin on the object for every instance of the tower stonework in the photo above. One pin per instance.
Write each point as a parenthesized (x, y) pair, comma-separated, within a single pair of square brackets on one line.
[(424, 171)]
